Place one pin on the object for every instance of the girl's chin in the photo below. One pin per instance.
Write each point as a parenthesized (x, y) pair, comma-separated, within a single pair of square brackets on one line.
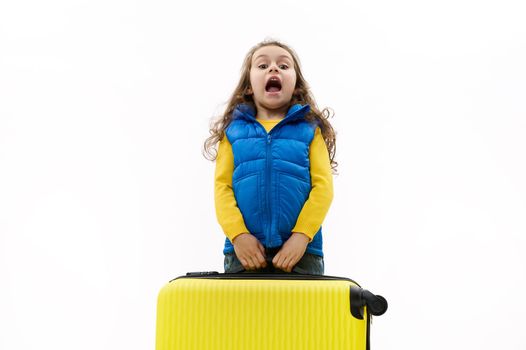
[(273, 106)]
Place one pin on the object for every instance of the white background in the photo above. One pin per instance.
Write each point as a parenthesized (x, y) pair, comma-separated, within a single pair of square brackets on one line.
[(105, 196)]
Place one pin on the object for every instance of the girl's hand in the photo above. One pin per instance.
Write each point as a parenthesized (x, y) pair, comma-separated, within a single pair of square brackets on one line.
[(291, 252), (249, 251)]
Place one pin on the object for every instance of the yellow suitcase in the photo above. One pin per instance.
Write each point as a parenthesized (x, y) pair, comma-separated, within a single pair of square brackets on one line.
[(210, 310)]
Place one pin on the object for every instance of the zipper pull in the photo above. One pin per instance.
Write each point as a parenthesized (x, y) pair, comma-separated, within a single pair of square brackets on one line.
[(268, 138)]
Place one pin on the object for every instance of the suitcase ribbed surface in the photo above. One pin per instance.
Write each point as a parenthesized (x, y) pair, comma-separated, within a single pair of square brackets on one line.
[(242, 314)]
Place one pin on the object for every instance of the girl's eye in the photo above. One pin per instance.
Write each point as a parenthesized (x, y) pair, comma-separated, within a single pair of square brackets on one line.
[(265, 66)]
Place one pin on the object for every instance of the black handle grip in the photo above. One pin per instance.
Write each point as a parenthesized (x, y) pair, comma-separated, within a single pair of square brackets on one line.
[(376, 304), (201, 273)]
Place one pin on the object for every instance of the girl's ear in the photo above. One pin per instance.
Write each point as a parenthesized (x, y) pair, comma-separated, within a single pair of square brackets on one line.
[(248, 91)]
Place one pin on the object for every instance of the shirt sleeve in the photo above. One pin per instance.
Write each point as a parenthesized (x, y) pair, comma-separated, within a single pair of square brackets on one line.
[(317, 205), (228, 214)]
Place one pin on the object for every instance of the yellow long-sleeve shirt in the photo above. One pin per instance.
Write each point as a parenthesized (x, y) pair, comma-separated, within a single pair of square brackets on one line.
[(315, 208)]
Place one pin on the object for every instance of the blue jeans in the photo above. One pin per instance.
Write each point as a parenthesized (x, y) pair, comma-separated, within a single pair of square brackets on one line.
[(309, 264)]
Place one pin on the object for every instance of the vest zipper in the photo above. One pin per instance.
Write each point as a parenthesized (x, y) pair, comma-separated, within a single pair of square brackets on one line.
[(267, 192)]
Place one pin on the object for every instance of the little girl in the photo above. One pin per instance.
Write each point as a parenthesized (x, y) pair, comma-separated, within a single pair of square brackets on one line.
[(273, 177)]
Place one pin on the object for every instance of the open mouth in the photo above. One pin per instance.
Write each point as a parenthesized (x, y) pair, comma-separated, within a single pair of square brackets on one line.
[(273, 85)]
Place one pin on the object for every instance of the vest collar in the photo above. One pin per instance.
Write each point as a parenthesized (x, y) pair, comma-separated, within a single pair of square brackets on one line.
[(248, 112)]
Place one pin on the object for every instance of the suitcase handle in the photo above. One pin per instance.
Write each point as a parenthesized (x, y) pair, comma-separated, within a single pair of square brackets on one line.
[(201, 273), (376, 304)]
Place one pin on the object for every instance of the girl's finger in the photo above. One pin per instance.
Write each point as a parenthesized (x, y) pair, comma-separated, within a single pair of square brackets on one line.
[(276, 258), (248, 263), (261, 248), (281, 261), (261, 259), (286, 263), (253, 263), (291, 264), (243, 262)]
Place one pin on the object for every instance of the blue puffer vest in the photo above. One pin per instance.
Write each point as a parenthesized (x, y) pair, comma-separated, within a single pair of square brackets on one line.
[(271, 179)]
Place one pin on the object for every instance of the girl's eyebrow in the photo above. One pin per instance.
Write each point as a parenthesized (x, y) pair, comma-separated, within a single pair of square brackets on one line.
[(280, 56)]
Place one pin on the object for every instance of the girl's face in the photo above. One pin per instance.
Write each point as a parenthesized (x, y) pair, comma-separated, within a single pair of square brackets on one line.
[(272, 78)]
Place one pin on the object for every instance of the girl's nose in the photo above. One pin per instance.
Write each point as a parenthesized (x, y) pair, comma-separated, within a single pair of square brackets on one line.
[(273, 68)]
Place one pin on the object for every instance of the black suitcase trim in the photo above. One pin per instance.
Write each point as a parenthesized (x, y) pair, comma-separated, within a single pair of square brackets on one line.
[(262, 276)]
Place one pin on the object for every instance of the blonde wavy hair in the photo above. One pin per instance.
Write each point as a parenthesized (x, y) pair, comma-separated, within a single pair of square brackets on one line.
[(302, 95)]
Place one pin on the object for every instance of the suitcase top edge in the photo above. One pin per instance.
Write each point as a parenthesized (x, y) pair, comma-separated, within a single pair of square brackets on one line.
[(261, 276)]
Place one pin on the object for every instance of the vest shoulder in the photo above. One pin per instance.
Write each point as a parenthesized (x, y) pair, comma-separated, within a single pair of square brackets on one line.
[(240, 129), (302, 130)]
